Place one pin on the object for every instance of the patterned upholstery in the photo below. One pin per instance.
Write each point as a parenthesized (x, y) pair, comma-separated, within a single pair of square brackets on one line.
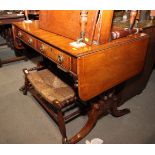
[(49, 86)]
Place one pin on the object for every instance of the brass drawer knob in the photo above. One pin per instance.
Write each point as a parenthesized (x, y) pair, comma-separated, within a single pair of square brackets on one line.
[(30, 41), (60, 59), (42, 48), (19, 34)]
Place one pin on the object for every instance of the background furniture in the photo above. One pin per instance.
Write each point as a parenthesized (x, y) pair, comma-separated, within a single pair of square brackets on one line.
[(33, 14), (6, 32)]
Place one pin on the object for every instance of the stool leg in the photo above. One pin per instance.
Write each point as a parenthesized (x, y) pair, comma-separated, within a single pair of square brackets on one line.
[(0, 63), (61, 124), (25, 87)]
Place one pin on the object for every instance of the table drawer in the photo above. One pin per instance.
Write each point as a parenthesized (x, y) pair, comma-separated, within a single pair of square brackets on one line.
[(28, 39), (52, 53), (19, 33), (59, 57), (42, 47)]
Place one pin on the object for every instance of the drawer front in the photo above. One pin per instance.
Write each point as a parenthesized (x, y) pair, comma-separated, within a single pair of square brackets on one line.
[(59, 57), (28, 39), (42, 47), (19, 33), (52, 53)]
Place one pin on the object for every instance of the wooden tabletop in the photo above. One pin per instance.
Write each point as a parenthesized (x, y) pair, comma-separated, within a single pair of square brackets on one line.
[(61, 42), (11, 16), (53, 39)]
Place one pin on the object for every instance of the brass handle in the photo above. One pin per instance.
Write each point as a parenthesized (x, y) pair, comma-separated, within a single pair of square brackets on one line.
[(30, 41), (42, 47), (19, 34), (60, 59)]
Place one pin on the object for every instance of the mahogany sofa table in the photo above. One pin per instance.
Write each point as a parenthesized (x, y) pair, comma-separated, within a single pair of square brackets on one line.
[(94, 68), (6, 32)]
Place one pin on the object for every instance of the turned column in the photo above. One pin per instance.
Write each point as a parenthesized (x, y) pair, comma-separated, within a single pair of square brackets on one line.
[(133, 15), (83, 23)]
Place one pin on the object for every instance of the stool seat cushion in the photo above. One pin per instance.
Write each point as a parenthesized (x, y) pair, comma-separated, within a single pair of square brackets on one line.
[(49, 86)]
